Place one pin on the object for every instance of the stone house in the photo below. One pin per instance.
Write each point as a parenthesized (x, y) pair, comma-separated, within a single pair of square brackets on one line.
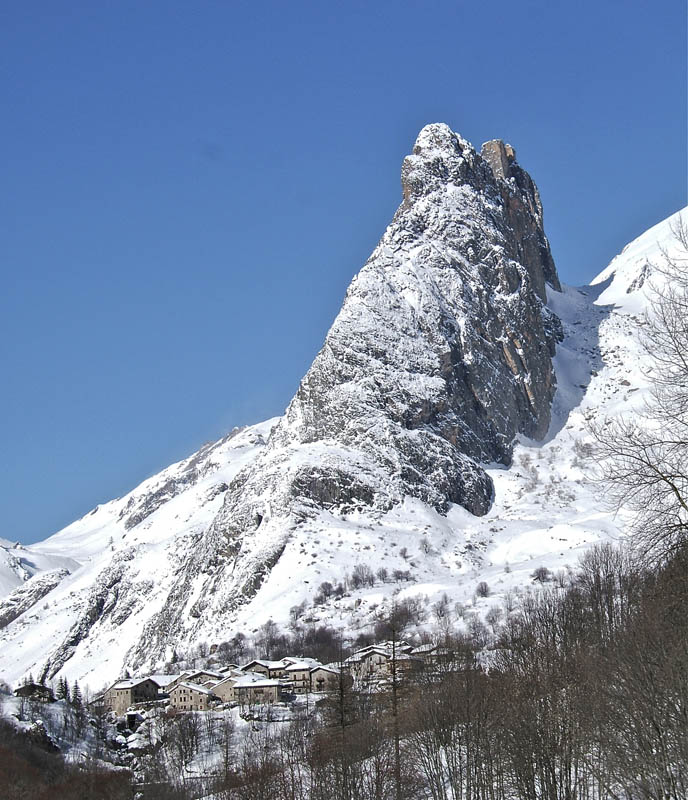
[(299, 674), (127, 692), (228, 668), (401, 646), (379, 661), (407, 662), (327, 678), (270, 669), (190, 697), (224, 689), (251, 690), (433, 654), (368, 662), (376, 663), (249, 687), (198, 676)]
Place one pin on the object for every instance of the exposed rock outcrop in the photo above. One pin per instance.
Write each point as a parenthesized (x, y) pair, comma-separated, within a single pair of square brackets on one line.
[(524, 212), (28, 594), (440, 355), (140, 507)]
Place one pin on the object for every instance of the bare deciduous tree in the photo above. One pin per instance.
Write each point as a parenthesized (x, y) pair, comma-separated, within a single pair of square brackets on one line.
[(644, 459)]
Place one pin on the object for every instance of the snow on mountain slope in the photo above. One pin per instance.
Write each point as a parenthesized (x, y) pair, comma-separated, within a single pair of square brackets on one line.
[(206, 471), (148, 563), (633, 272), (19, 563), (547, 508), (117, 561)]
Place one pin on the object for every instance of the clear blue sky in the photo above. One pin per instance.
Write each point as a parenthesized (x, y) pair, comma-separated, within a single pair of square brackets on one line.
[(188, 188)]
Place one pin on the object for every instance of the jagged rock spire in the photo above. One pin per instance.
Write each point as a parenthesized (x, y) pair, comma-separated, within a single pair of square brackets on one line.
[(440, 354)]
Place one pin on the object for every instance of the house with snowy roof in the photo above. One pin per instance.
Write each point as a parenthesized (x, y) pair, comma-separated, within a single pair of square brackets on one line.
[(227, 668), (250, 689), (35, 691), (299, 674), (164, 681), (328, 678), (224, 690), (127, 692), (199, 676), (271, 669), (190, 697), (424, 650), (379, 661), (433, 654)]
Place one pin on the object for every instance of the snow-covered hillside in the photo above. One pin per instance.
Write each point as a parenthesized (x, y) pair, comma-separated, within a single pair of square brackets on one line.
[(121, 586), (19, 563), (116, 564)]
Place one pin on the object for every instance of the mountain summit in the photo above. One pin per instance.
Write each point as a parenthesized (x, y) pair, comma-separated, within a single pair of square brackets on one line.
[(440, 354)]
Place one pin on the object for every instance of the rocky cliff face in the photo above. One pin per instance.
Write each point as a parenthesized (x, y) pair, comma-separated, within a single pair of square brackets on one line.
[(440, 355), (28, 594)]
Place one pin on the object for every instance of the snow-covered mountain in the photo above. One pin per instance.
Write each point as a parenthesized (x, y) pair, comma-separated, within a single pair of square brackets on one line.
[(116, 565), (19, 563), (439, 435)]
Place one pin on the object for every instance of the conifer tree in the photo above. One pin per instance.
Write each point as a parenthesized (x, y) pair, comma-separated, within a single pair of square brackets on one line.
[(76, 697), (62, 689)]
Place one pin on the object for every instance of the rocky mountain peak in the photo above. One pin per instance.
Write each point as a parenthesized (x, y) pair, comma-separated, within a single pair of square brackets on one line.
[(437, 159), (439, 357), (440, 354), (523, 207), (500, 157)]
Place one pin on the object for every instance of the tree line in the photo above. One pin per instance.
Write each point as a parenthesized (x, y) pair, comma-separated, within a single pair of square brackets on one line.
[(583, 697)]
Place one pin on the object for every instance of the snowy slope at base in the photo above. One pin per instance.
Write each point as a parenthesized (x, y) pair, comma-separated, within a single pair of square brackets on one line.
[(547, 510), (129, 568)]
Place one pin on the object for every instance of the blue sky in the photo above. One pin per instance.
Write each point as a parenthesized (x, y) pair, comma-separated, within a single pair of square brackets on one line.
[(188, 188)]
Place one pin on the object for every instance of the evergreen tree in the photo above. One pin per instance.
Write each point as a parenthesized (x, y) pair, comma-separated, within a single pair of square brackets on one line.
[(76, 698), (62, 689)]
